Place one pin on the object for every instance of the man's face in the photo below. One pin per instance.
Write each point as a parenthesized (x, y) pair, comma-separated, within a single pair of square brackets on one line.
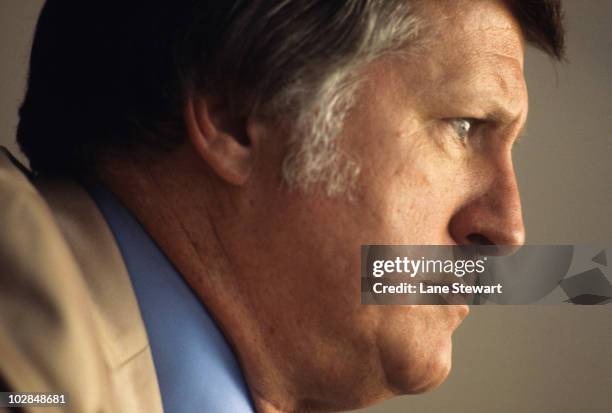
[(422, 181)]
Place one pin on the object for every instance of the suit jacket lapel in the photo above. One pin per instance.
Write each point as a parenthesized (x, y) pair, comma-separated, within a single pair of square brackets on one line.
[(115, 306)]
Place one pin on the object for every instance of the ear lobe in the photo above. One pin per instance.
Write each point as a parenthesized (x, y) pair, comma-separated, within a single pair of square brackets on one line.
[(220, 139)]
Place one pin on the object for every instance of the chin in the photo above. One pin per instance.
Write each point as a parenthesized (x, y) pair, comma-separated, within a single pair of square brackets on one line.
[(431, 379), (416, 363), (429, 373)]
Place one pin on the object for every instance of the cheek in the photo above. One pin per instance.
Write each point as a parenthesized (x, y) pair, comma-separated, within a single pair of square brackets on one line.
[(410, 202)]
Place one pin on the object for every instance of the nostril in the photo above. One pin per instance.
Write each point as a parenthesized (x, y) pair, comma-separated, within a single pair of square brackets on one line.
[(484, 245), (479, 239), (491, 248)]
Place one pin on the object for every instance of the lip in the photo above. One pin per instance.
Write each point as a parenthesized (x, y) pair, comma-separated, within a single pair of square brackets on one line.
[(464, 309), (451, 298)]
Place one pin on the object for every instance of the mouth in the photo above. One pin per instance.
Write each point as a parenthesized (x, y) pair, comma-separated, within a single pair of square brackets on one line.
[(463, 310), (448, 288)]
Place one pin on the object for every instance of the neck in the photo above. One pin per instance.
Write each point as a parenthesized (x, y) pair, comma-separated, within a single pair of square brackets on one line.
[(181, 205)]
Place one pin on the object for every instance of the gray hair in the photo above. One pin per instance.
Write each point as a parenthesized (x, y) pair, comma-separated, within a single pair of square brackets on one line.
[(314, 155), (314, 51)]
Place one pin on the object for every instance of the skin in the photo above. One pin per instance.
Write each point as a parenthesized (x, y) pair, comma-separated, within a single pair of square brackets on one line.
[(279, 269)]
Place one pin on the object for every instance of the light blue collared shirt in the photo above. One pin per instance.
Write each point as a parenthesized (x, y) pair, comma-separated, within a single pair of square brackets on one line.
[(196, 369)]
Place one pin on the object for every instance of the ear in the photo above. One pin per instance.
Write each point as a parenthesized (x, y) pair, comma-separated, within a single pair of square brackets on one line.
[(220, 138)]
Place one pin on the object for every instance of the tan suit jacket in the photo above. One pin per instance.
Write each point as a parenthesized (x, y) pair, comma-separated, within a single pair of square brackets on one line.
[(69, 319)]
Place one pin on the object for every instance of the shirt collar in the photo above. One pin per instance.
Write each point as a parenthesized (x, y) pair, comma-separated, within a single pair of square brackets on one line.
[(196, 369)]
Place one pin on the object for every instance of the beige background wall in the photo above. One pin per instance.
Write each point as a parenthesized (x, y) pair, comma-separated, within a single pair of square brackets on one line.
[(507, 359)]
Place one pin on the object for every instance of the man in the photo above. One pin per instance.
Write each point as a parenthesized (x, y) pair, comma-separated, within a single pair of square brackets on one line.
[(213, 167)]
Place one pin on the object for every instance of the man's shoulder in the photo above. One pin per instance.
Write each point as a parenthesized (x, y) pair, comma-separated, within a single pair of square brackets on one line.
[(58, 319), (48, 343)]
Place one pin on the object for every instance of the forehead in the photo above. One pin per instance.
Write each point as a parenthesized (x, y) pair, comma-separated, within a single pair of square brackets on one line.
[(463, 32), (470, 55)]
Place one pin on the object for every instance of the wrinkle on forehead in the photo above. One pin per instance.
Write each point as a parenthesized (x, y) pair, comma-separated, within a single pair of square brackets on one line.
[(475, 26), (463, 72), (474, 58)]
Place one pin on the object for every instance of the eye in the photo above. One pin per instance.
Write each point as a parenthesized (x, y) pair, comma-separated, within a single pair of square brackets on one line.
[(462, 127)]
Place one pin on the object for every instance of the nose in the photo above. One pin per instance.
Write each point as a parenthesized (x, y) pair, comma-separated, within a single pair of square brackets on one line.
[(492, 217)]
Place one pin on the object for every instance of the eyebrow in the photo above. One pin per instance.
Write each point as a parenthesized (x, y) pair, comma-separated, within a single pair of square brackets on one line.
[(500, 116), (497, 108)]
